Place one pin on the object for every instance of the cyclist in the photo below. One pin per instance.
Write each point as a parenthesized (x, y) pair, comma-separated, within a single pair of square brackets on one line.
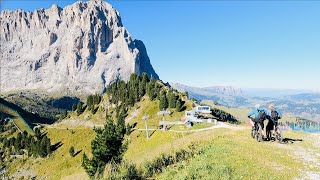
[(259, 115), (273, 116)]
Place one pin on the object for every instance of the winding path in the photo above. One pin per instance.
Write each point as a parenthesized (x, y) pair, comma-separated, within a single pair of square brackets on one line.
[(219, 125)]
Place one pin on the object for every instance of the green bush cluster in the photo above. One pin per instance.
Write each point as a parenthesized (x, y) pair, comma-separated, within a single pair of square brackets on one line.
[(157, 165), (131, 92), (92, 101), (223, 116), (127, 170), (38, 145)]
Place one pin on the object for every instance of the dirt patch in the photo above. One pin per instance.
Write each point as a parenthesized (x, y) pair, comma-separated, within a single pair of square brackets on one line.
[(132, 115), (27, 174), (310, 157)]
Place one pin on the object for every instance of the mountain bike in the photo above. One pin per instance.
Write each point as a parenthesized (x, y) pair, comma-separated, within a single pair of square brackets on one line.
[(276, 133), (256, 131)]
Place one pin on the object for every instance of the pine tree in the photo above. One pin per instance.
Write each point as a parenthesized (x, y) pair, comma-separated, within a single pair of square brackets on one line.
[(74, 107), (89, 165), (79, 108), (89, 102), (107, 145), (121, 126), (48, 146), (178, 105), (96, 99), (172, 98), (37, 133), (145, 78), (142, 89), (64, 114), (163, 101), (151, 88)]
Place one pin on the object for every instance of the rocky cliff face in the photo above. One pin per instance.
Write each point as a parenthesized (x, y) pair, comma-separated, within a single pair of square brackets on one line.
[(82, 47)]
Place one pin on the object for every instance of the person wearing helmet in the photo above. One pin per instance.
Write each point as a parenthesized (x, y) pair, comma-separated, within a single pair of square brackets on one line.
[(273, 116), (258, 115)]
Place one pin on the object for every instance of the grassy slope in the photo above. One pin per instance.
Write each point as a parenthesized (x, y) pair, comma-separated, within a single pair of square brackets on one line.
[(16, 118), (225, 150), (233, 155), (60, 163), (151, 108)]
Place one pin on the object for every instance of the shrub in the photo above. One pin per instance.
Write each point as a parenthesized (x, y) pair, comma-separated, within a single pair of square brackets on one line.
[(71, 151), (157, 165)]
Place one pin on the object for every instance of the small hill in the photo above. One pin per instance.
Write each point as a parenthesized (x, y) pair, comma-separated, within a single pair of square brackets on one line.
[(31, 118), (49, 106), (15, 116)]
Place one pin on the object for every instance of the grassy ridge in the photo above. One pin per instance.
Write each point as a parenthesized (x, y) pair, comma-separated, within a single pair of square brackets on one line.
[(234, 155), (17, 119), (60, 164)]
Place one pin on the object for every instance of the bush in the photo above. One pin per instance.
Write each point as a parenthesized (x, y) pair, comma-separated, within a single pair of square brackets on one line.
[(151, 168), (125, 170), (71, 151)]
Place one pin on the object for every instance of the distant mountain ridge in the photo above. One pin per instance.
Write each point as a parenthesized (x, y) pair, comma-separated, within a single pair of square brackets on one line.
[(81, 47), (212, 90), (302, 103)]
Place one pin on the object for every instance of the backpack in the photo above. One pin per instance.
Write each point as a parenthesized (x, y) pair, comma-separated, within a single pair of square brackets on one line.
[(262, 115), (274, 115)]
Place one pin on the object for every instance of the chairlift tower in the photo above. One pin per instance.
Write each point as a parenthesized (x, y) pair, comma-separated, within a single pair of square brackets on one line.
[(163, 113), (145, 117)]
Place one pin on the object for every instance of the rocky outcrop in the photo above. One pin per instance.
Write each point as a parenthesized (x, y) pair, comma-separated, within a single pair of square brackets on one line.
[(81, 47)]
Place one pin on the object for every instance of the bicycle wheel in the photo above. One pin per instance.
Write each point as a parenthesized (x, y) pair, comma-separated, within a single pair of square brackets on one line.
[(259, 133), (279, 136), (253, 132)]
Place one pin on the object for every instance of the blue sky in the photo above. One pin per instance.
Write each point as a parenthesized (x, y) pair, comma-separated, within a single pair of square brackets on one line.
[(205, 43)]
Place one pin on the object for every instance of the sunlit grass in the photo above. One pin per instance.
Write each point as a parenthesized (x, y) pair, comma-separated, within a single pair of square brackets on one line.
[(16, 118), (60, 163), (237, 156)]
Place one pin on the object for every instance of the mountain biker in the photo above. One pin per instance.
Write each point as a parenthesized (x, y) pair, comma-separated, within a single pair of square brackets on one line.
[(259, 115), (273, 116)]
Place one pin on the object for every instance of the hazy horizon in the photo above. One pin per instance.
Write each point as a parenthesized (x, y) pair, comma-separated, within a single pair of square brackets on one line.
[(211, 43)]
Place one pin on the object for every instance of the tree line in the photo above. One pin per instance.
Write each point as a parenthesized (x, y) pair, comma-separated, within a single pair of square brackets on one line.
[(131, 92), (126, 94), (223, 116), (38, 145)]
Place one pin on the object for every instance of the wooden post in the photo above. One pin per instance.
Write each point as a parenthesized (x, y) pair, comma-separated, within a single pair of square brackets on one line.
[(146, 123)]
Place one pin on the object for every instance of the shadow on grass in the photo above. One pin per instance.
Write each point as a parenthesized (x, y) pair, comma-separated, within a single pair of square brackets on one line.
[(56, 146), (284, 141), (43, 135), (152, 133), (75, 154), (289, 140), (133, 125)]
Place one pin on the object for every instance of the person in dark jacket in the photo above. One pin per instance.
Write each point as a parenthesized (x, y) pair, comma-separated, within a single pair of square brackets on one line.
[(273, 116)]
